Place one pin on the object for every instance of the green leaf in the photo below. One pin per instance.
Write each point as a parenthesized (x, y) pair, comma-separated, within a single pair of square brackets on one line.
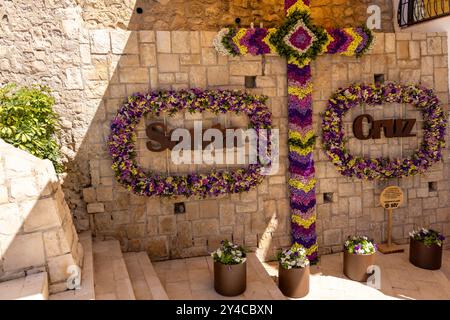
[(27, 121)]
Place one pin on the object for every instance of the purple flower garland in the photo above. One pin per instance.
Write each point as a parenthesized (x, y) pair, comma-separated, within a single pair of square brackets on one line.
[(435, 124), (134, 178)]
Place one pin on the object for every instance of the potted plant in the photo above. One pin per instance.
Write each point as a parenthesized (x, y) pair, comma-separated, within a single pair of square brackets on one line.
[(359, 255), (425, 249), (230, 269), (293, 272)]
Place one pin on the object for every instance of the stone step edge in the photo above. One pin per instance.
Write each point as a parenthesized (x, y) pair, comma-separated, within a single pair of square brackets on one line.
[(154, 284), (32, 287), (86, 292), (125, 277)]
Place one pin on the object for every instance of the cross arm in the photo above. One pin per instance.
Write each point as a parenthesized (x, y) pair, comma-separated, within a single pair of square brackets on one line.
[(244, 41), (259, 41), (348, 41)]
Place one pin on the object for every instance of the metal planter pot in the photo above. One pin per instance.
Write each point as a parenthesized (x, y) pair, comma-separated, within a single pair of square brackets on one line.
[(293, 283), (425, 257), (355, 265), (230, 280)]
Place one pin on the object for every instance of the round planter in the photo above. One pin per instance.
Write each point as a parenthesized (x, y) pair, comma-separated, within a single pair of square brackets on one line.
[(425, 257), (293, 283), (230, 280), (355, 265)]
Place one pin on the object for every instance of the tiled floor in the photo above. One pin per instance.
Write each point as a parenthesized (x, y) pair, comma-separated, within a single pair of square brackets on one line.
[(185, 279), (192, 279), (399, 279)]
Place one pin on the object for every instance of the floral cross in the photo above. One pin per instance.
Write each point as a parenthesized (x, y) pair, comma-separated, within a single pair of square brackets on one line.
[(300, 42)]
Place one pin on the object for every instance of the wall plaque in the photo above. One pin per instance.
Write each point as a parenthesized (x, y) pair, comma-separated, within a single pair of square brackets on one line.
[(391, 198)]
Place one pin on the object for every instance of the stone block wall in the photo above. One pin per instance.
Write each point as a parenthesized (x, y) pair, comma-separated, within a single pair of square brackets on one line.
[(212, 14), (177, 60), (36, 229), (260, 218), (404, 58), (92, 65)]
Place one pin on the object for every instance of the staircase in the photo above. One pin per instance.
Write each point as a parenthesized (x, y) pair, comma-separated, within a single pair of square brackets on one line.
[(109, 274)]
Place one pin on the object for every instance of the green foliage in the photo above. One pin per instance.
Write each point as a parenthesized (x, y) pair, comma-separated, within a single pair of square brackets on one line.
[(28, 122), (369, 44), (229, 253), (227, 42), (428, 237), (360, 245), (294, 257)]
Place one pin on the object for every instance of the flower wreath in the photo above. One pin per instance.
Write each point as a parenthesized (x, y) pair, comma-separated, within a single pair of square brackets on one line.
[(121, 142), (434, 127)]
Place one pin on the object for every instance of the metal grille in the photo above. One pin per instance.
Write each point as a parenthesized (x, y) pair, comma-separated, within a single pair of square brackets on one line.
[(411, 12)]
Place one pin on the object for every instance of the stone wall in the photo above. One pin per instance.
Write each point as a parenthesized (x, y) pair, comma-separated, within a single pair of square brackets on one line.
[(81, 51), (404, 58), (260, 218), (213, 14), (36, 229), (40, 43)]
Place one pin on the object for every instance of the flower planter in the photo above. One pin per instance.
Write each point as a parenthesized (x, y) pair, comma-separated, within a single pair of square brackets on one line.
[(230, 280), (425, 257), (293, 283), (355, 265)]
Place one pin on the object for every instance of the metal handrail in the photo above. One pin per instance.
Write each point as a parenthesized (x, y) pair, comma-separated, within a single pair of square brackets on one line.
[(412, 12)]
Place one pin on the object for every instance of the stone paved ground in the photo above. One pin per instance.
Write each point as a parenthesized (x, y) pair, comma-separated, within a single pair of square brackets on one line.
[(185, 279), (399, 279), (192, 279)]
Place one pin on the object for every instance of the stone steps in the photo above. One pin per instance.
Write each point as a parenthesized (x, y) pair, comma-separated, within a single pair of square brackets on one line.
[(111, 278), (145, 281), (30, 287), (87, 275)]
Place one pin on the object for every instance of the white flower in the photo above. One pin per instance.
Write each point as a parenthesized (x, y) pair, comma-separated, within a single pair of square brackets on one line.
[(217, 42)]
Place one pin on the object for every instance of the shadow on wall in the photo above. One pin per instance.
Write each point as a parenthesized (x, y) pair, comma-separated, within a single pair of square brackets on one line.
[(36, 229), (117, 64)]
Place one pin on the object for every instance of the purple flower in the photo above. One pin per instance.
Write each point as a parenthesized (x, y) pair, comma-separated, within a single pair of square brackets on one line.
[(122, 149)]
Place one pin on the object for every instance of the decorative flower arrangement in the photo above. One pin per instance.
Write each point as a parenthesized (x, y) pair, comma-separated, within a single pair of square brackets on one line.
[(298, 40), (434, 127), (360, 245), (123, 152), (294, 257), (428, 237), (302, 181), (229, 253)]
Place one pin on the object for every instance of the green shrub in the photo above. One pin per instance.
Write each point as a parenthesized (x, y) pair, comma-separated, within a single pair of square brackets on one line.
[(27, 121)]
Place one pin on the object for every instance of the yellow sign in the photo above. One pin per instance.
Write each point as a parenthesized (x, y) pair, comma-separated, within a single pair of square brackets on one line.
[(391, 198)]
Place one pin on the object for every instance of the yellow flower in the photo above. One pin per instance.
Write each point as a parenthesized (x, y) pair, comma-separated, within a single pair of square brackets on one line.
[(237, 40), (299, 5)]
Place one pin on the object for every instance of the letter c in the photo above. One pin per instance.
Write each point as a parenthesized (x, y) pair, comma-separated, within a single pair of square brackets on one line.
[(358, 127)]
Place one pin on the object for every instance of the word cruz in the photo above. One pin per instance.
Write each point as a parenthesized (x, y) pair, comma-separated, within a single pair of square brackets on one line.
[(392, 128)]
